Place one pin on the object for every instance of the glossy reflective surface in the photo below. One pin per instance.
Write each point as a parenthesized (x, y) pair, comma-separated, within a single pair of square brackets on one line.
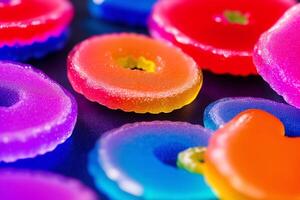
[(70, 159), (138, 160), (218, 113)]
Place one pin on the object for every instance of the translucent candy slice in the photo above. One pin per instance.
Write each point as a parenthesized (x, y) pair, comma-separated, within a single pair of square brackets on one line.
[(219, 35), (25, 185), (250, 158), (218, 113), (131, 12), (29, 26), (36, 114), (277, 58), (138, 161), (133, 73), (19, 52)]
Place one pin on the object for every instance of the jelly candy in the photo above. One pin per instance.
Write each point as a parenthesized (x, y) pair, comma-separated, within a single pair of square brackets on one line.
[(33, 28), (222, 111), (219, 34), (250, 158), (129, 12), (26, 185), (277, 58), (138, 161), (133, 73), (36, 114)]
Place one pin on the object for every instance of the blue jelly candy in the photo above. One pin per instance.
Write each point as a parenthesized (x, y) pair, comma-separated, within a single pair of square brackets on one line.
[(138, 161), (131, 12), (20, 52), (222, 111)]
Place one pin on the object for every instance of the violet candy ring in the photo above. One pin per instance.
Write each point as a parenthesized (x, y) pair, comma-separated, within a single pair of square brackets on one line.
[(36, 114), (27, 185)]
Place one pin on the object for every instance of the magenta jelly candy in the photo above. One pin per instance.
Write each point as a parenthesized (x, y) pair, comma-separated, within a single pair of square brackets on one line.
[(277, 56), (36, 114), (16, 185)]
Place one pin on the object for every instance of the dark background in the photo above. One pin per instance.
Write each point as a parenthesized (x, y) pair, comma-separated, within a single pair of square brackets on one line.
[(70, 159)]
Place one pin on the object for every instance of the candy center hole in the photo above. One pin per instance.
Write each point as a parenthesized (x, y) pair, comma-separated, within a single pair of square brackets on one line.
[(168, 154), (236, 17), (141, 63), (8, 97)]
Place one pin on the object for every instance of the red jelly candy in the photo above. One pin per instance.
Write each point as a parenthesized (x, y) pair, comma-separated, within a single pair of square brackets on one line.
[(219, 34), (27, 21)]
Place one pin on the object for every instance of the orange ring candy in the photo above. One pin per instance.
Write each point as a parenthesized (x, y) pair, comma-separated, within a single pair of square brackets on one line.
[(134, 73)]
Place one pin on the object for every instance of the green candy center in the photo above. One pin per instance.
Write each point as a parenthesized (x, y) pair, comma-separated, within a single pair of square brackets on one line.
[(236, 17)]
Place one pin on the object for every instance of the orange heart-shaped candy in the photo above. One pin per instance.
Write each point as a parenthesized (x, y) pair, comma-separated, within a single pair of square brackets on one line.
[(251, 158)]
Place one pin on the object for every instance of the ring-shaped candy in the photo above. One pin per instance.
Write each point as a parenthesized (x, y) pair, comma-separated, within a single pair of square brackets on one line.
[(192, 159), (135, 161), (129, 12), (36, 114), (134, 73), (26, 185), (218, 113), (33, 28), (225, 32)]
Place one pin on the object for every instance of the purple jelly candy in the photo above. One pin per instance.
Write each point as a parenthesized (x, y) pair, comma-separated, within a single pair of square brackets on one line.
[(16, 185), (36, 114)]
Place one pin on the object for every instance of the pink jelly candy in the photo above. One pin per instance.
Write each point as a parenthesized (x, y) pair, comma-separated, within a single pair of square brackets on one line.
[(277, 56)]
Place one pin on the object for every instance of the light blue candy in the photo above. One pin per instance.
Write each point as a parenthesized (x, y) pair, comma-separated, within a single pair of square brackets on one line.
[(138, 161), (222, 111)]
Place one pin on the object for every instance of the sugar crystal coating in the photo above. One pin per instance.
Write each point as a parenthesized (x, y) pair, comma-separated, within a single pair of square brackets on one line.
[(218, 113), (26, 185), (39, 27), (221, 35), (37, 115), (139, 161), (19, 52), (276, 56), (98, 69)]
